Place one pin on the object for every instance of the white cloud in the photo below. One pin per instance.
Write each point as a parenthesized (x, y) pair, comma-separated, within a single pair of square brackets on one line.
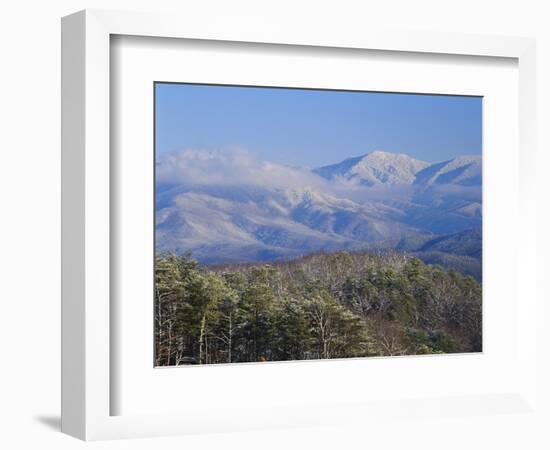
[(220, 168), (208, 170)]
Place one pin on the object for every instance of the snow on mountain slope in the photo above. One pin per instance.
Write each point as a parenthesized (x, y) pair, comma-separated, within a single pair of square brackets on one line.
[(463, 171), (377, 167), (471, 209), (226, 207), (286, 223)]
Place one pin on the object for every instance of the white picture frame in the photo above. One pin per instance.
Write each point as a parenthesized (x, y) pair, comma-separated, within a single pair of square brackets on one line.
[(87, 328)]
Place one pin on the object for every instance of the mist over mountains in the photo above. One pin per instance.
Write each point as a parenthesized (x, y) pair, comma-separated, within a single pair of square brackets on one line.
[(230, 207)]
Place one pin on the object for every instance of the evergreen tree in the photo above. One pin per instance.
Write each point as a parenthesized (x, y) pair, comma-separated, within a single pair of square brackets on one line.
[(317, 307)]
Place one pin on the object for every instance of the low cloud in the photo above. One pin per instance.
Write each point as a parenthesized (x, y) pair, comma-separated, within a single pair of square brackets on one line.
[(232, 168), (212, 170)]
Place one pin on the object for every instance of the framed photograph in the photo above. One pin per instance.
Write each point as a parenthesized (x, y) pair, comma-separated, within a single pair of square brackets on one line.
[(275, 242), (267, 228)]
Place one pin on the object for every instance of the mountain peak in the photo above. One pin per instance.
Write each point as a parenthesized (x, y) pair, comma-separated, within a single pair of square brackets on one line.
[(384, 154), (377, 167)]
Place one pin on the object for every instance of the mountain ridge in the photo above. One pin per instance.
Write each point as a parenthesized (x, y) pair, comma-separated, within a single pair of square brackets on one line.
[(377, 167), (361, 202)]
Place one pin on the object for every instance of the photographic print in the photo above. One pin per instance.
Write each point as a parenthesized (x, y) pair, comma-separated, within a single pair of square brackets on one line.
[(305, 224)]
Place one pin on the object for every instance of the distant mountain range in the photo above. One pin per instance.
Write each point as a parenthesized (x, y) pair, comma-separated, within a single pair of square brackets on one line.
[(232, 208)]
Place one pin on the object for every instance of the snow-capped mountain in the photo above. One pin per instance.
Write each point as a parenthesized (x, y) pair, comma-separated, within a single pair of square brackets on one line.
[(384, 168), (377, 167), (463, 171), (233, 208), (277, 223)]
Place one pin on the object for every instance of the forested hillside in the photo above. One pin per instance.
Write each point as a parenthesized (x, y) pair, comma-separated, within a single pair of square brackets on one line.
[(320, 306)]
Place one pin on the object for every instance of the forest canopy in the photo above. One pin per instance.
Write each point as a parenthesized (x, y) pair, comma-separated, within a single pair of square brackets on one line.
[(321, 306)]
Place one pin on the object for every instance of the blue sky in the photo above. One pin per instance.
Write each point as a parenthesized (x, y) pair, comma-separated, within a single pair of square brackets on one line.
[(313, 128)]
